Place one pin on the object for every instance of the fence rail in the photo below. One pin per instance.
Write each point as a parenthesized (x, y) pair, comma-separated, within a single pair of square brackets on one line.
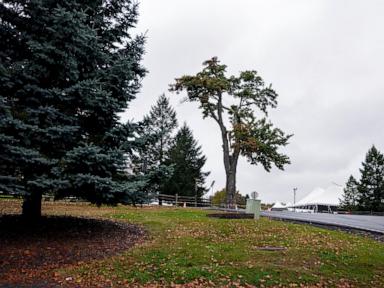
[(183, 200)]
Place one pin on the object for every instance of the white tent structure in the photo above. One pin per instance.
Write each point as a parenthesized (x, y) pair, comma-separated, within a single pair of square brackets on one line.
[(278, 206), (320, 200)]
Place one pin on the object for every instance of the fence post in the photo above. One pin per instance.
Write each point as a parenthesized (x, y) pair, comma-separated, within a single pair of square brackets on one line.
[(176, 198), (195, 200)]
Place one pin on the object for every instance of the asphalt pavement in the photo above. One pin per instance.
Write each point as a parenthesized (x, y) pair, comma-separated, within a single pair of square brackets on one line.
[(362, 222)]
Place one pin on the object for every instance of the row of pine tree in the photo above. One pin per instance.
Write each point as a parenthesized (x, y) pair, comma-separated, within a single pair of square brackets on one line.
[(68, 68), (367, 194), (172, 161)]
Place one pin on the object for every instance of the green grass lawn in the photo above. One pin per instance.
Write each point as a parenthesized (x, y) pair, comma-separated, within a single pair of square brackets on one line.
[(185, 246)]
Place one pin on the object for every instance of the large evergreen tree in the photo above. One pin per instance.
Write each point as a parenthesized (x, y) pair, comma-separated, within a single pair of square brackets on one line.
[(67, 67), (155, 136), (232, 101), (371, 185), (159, 126), (162, 122), (187, 160), (351, 194)]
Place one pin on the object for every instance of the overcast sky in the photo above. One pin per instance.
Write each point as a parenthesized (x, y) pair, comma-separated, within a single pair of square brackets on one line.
[(325, 59)]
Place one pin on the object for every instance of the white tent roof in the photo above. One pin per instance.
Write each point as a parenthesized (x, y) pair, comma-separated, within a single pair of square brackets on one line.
[(320, 196), (279, 205)]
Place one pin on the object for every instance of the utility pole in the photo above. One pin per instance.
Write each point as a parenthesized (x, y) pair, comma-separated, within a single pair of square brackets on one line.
[(294, 198)]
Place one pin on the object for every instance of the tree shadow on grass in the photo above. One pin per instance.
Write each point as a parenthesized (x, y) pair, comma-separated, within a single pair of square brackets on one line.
[(30, 250)]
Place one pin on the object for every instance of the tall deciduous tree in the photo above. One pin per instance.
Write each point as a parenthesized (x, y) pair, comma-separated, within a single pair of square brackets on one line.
[(187, 160), (371, 185), (67, 68), (351, 194), (231, 102)]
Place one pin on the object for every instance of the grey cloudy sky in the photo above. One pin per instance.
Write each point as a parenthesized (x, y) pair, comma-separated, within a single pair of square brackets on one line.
[(325, 58)]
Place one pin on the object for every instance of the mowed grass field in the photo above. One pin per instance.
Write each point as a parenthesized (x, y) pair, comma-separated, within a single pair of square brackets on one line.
[(185, 248)]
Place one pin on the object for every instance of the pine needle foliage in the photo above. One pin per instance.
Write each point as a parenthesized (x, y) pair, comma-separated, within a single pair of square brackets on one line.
[(67, 68)]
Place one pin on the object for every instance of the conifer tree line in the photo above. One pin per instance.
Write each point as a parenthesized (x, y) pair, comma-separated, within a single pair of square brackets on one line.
[(174, 155), (67, 69), (366, 194)]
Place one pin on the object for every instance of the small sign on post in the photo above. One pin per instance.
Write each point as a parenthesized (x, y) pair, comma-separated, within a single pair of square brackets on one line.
[(253, 205)]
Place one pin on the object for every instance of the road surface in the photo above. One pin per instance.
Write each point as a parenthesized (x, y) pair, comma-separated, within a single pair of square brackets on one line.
[(362, 222)]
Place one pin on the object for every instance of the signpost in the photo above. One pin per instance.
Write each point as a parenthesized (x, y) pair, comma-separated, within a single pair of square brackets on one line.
[(253, 205)]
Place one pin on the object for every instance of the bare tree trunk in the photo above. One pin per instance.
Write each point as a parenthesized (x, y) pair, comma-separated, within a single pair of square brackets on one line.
[(230, 161), (230, 184), (231, 190), (32, 206), (231, 181)]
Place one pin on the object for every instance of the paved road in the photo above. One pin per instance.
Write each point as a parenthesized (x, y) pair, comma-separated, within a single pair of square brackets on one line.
[(363, 222)]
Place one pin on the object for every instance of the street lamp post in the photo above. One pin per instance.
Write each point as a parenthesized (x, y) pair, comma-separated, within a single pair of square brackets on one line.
[(294, 198)]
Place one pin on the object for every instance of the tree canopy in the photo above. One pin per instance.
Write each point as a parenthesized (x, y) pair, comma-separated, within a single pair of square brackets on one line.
[(351, 194), (371, 184), (219, 198), (155, 136), (367, 194), (186, 158), (67, 69), (232, 101)]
